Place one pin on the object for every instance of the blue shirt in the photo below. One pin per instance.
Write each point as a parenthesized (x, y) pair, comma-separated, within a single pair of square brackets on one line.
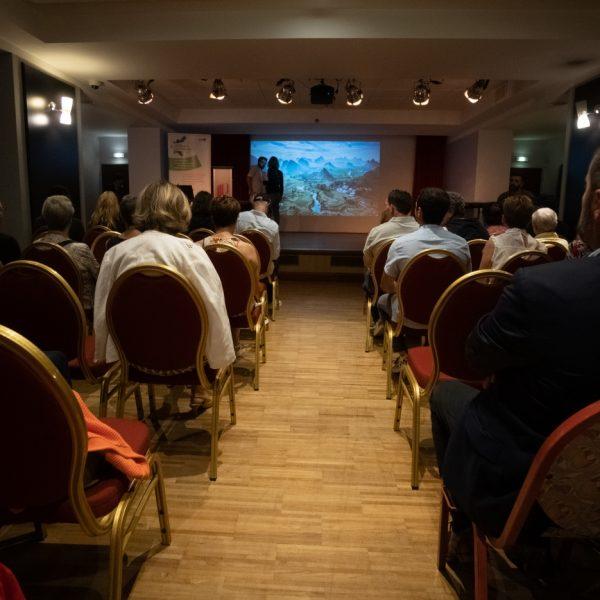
[(427, 237)]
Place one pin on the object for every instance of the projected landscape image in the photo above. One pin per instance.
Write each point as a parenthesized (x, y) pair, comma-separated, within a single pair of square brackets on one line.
[(328, 178)]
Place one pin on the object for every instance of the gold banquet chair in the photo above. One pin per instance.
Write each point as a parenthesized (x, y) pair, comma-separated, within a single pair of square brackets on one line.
[(159, 325), (240, 286), (198, 234), (422, 281), (453, 318), (376, 273), (43, 445), (526, 258), (99, 246)]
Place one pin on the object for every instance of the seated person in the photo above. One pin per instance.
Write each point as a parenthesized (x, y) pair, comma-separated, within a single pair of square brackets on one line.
[(469, 229), (76, 231), (9, 247), (257, 219), (544, 222), (57, 212), (516, 215), (162, 211), (126, 210), (492, 217), (106, 212), (401, 222), (431, 208), (201, 216), (486, 440)]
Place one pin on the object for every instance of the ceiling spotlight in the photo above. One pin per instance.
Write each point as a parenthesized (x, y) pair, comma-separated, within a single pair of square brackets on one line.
[(218, 91), (474, 92), (144, 94), (285, 91), (422, 93), (583, 119), (354, 95)]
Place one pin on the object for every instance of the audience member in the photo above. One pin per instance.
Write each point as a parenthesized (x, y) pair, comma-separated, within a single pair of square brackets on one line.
[(57, 212), (106, 212), (201, 216), (544, 222), (401, 222), (162, 211), (9, 247), (126, 210), (76, 231), (516, 187), (516, 211), (492, 217), (256, 178), (468, 229), (257, 219), (540, 344), (431, 208), (274, 187)]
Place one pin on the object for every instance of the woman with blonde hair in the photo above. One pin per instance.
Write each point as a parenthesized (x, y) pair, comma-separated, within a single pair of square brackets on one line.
[(106, 212), (162, 210)]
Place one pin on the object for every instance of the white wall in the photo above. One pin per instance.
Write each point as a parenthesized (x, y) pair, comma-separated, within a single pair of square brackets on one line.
[(461, 166), (147, 153)]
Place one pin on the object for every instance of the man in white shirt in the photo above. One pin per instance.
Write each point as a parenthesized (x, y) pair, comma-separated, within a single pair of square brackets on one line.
[(431, 208), (257, 219), (256, 178), (399, 205), (162, 211)]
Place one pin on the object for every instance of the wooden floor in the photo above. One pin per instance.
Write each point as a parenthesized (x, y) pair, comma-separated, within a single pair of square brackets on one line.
[(313, 497)]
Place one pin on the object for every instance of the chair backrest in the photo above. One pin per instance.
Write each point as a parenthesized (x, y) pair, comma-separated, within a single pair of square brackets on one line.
[(526, 258), (422, 281), (200, 233), (39, 304), (263, 247), (158, 322), (183, 236), (57, 258), (476, 250), (556, 251), (380, 254), (564, 478), (43, 438), (455, 315), (237, 277), (92, 233), (99, 245)]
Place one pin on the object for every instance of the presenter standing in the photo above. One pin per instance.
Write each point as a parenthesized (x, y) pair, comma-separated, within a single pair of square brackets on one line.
[(256, 178), (274, 186)]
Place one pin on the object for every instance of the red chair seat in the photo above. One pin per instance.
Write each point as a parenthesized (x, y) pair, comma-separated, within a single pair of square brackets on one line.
[(420, 361), (102, 497), (97, 368)]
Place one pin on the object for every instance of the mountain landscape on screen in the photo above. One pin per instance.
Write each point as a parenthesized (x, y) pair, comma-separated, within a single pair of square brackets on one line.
[(326, 178)]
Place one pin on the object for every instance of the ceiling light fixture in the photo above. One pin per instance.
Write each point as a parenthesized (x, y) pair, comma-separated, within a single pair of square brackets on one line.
[(583, 119), (285, 91), (354, 93), (422, 93), (144, 94), (218, 91), (474, 92)]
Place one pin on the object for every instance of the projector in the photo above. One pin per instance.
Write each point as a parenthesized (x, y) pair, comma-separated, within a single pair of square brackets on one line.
[(322, 93)]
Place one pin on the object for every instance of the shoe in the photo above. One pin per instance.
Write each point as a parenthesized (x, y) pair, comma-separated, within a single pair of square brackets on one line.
[(398, 362), (201, 401), (378, 329)]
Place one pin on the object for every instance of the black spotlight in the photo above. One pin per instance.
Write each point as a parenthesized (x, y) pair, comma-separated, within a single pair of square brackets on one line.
[(354, 94), (218, 91), (474, 92), (285, 91), (144, 94), (422, 93)]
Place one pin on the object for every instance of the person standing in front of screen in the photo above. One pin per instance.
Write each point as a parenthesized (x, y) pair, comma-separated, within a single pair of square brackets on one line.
[(256, 178), (274, 187)]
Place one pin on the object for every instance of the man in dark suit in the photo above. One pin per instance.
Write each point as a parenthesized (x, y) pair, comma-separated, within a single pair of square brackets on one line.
[(541, 344)]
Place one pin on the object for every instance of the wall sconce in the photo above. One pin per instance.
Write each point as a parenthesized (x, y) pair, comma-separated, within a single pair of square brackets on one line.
[(66, 106)]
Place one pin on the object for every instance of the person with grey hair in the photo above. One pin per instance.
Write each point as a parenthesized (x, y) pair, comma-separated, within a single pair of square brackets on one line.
[(57, 212), (544, 222), (457, 223), (9, 247)]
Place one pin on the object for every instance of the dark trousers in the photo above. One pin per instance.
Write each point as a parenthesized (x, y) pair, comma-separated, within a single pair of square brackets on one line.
[(274, 200), (61, 363), (448, 402)]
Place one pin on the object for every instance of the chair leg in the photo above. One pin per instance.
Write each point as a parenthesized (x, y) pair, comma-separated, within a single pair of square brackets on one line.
[(444, 538), (369, 340), (399, 400), (103, 408), (121, 400), (273, 299), (214, 435), (152, 398), (480, 557), (232, 408), (388, 364), (255, 380), (117, 550), (139, 405), (416, 441), (161, 504), (263, 338)]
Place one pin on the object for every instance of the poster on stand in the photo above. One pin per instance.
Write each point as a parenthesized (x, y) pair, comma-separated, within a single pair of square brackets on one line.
[(189, 160), (222, 181)]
